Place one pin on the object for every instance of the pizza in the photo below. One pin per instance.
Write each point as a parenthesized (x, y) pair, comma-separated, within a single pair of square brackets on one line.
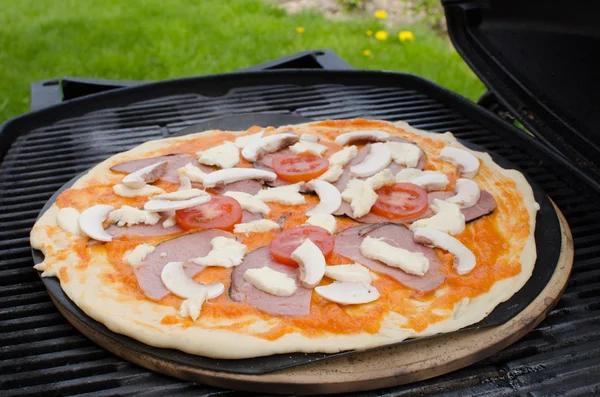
[(321, 237)]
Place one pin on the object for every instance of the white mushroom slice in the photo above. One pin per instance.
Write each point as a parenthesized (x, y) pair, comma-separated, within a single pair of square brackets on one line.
[(467, 193), (366, 135), (355, 273), (180, 195), (344, 156), (286, 195), (168, 205), (249, 202), (410, 262), (192, 307), (244, 141), (379, 157), (467, 164), (309, 138), (464, 259), (146, 191), (230, 175), (308, 147), (226, 252), (68, 220), (311, 263), (90, 222), (332, 174), (447, 218), (225, 155), (271, 281), (268, 144), (428, 180), (405, 154), (348, 293), (175, 280), (145, 175), (327, 222), (192, 172), (170, 221), (330, 198), (184, 182)]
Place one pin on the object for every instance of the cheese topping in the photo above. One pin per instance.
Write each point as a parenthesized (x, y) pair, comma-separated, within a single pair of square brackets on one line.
[(257, 226), (193, 173), (410, 262), (405, 154), (244, 141), (146, 190), (428, 180), (344, 156), (308, 147), (226, 155), (332, 174), (271, 281), (170, 221), (447, 218), (309, 138), (68, 220), (286, 195), (249, 202), (325, 221), (130, 216), (180, 195), (226, 252), (355, 272), (192, 307), (361, 197), (136, 257)]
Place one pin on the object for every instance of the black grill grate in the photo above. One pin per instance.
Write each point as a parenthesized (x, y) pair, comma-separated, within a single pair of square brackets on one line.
[(42, 354)]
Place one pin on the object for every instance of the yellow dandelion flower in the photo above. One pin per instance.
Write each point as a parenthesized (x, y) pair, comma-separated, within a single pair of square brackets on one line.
[(367, 53), (369, 33), (381, 35), (406, 35), (381, 14), (300, 29)]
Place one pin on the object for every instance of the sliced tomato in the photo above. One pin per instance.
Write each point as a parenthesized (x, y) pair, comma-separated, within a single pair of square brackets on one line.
[(221, 212), (402, 200), (299, 167), (286, 242)]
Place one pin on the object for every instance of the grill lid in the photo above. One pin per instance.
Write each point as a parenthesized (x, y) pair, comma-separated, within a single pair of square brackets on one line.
[(536, 57)]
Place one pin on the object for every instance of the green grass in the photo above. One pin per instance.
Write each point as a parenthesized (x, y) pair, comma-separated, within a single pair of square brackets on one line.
[(159, 39)]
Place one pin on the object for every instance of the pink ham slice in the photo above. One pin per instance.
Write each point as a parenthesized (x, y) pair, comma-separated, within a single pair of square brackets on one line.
[(174, 162), (248, 216), (295, 305), (180, 249), (347, 244)]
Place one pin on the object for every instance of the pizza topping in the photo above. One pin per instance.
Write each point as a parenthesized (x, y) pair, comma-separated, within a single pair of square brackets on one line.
[(244, 141), (156, 205), (179, 283), (332, 174), (348, 293), (68, 220), (146, 190), (299, 167), (144, 229), (400, 201), (467, 193), (90, 222), (148, 174), (286, 242), (329, 198), (344, 156), (257, 226), (130, 216), (249, 202), (411, 262), (366, 135), (271, 281), (354, 272), (464, 260), (467, 163), (268, 144), (361, 197), (192, 307), (311, 263), (170, 221), (226, 155), (219, 213), (174, 162), (326, 221), (193, 173), (286, 195), (429, 180), (309, 138), (136, 257), (230, 175), (226, 252), (485, 205), (181, 195), (447, 218), (406, 154), (308, 147), (378, 158), (348, 242)]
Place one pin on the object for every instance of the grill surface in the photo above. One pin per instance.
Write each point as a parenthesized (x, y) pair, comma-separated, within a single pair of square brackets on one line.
[(42, 353)]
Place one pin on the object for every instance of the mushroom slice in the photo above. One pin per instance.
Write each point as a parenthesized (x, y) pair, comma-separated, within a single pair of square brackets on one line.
[(355, 273), (169, 205), (180, 195), (428, 180), (467, 164), (230, 175), (464, 259), (175, 280), (329, 196), (366, 135), (311, 263), (272, 143), (348, 293), (145, 175), (378, 158), (245, 140), (467, 193), (447, 218), (309, 138), (90, 222)]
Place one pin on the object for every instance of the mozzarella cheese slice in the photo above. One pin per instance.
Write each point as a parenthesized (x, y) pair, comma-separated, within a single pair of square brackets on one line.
[(354, 272), (332, 174), (68, 220), (464, 259), (309, 138), (192, 307), (326, 221), (179, 283), (169, 205), (271, 281), (379, 157), (311, 263), (447, 218), (330, 198), (180, 195), (170, 221), (348, 293), (226, 155), (381, 179), (90, 222), (268, 144), (344, 156), (249, 202), (136, 257), (257, 226), (146, 191), (244, 141), (193, 173), (230, 175), (226, 252), (308, 147), (286, 195), (361, 197), (405, 154), (410, 262), (428, 180), (365, 135), (467, 163), (129, 216)]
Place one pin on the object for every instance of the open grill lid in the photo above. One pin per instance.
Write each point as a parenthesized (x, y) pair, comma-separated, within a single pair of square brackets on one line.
[(536, 58)]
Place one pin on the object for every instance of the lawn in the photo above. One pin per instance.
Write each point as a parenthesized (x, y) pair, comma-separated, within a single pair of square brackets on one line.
[(157, 39)]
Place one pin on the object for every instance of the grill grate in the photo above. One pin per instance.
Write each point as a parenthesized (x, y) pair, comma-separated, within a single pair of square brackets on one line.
[(40, 353)]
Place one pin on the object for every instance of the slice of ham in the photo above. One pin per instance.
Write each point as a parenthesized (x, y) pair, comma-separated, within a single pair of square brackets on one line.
[(347, 244), (295, 305), (250, 186), (180, 249), (174, 162), (248, 216)]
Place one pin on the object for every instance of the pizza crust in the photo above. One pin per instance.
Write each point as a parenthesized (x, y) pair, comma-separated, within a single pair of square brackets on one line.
[(141, 319)]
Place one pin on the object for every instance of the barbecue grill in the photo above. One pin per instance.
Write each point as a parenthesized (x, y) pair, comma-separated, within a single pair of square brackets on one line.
[(42, 150)]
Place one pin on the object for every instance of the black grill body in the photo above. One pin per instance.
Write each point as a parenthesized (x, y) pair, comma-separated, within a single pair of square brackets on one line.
[(41, 354)]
